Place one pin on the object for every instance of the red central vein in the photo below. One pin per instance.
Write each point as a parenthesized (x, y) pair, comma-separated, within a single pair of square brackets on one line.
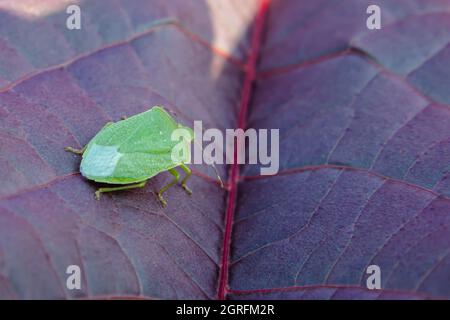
[(250, 72)]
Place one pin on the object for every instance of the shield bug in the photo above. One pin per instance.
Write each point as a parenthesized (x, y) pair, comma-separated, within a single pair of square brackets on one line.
[(131, 151)]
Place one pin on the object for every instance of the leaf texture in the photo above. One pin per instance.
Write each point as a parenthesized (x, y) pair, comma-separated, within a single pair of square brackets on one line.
[(364, 149)]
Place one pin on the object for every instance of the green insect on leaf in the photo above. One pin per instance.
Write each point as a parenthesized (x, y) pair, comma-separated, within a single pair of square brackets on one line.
[(133, 150)]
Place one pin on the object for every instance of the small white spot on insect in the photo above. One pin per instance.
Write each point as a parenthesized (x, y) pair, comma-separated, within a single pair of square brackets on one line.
[(160, 133), (101, 161)]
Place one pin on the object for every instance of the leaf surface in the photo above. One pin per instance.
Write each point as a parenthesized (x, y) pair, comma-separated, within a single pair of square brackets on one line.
[(364, 126)]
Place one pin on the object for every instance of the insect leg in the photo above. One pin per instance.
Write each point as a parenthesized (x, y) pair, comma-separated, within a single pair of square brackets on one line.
[(76, 151), (81, 151), (174, 181), (183, 182), (130, 186)]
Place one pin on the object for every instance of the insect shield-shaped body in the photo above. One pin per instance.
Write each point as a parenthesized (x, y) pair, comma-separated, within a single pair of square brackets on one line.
[(131, 151)]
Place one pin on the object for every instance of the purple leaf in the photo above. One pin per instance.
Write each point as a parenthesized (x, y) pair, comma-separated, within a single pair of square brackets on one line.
[(364, 125)]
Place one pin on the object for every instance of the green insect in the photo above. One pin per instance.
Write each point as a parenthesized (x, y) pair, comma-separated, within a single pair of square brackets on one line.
[(133, 150)]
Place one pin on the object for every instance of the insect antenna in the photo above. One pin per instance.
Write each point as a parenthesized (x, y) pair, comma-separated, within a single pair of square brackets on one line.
[(214, 167), (217, 175)]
